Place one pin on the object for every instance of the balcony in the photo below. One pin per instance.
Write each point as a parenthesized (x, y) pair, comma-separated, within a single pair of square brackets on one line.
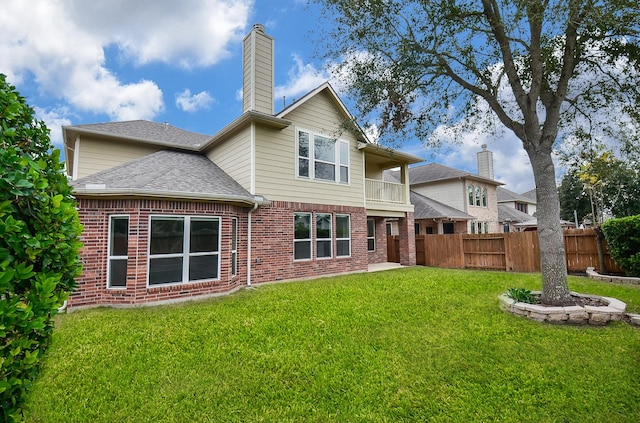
[(384, 192)]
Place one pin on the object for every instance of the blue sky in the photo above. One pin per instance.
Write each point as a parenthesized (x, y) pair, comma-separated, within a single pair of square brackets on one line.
[(171, 61)]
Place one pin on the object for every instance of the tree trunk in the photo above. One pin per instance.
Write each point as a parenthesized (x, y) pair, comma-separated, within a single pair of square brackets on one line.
[(555, 290)]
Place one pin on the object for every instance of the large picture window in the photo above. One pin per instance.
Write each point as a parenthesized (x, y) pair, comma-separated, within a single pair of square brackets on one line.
[(183, 249), (323, 235), (118, 256), (322, 158), (302, 236), (343, 235)]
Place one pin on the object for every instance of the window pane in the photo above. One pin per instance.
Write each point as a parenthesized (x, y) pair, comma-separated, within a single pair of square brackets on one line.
[(302, 226), (344, 153), (371, 227), (324, 149), (303, 167), (167, 235), (344, 174), (343, 247), (371, 244), (118, 273), (478, 196), (302, 250), (303, 144), (471, 195), (203, 267), (234, 263), (484, 197), (323, 248), (342, 227), (204, 235), (234, 234), (323, 226), (119, 236), (165, 270), (325, 171)]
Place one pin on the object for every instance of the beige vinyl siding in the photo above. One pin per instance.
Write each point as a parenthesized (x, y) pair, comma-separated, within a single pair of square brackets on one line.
[(96, 155), (246, 75), (264, 74), (451, 193), (276, 159), (234, 157)]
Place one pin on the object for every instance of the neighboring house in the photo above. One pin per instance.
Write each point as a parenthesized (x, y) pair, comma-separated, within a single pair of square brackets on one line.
[(514, 220), (449, 200), (170, 214), (525, 203)]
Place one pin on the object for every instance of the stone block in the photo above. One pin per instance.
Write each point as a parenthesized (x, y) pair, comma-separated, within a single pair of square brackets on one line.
[(557, 318), (615, 303), (635, 320), (599, 319), (538, 317), (544, 309), (573, 309), (578, 318)]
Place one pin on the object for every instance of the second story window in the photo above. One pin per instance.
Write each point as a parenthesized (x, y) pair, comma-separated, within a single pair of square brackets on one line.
[(322, 158)]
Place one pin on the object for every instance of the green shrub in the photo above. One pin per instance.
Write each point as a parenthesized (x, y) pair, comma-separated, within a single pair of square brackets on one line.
[(623, 239), (523, 295), (39, 246)]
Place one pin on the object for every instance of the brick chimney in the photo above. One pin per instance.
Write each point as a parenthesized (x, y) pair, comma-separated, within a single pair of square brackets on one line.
[(485, 162), (257, 71)]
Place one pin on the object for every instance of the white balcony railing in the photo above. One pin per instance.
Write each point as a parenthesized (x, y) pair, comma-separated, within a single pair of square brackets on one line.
[(384, 192)]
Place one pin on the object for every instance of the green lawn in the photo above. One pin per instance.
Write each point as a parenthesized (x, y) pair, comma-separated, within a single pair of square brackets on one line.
[(417, 344)]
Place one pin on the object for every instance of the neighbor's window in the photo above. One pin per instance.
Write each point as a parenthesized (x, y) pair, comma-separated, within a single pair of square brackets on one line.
[(302, 236), (478, 195), (118, 256), (471, 191), (473, 227), (322, 158), (183, 249), (343, 235), (234, 246), (371, 234), (323, 235), (484, 197)]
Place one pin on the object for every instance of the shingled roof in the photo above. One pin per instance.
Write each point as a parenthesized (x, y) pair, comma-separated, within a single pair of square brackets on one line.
[(428, 208), (144, 131), (505, 195), (435, 172), (167, 173)]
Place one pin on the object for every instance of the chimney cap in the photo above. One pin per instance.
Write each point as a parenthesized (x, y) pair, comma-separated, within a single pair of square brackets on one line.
[(258, 27), (484, 146)]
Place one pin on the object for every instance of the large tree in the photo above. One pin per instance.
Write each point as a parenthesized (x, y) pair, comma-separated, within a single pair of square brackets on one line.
[(542, 69)]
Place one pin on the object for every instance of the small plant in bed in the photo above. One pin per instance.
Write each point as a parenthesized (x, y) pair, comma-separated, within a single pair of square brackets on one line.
[(523, 295)]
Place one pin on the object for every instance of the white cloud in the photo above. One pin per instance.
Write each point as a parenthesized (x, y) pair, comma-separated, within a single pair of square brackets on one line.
[(193, 102), (302, 78), (61, 46), (55, 120)]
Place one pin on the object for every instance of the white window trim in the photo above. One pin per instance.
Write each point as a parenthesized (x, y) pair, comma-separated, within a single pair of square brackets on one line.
[(309, 240), (311, 159), (234, 246), (329, 240), (373, 237), (343, 239), (109, 256), (185, 250)]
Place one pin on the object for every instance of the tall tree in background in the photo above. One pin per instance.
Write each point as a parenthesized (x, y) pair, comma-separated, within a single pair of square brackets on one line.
[(540, 68)]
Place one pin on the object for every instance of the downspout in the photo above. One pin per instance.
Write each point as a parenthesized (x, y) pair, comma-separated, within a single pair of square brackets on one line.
[(255, 207)]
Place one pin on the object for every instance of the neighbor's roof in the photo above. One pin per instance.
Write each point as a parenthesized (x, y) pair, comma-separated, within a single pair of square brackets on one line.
[(531, 195), (434, 172), (167, 173), (428, 208), (505, 195), (510, 214), (141, 131)]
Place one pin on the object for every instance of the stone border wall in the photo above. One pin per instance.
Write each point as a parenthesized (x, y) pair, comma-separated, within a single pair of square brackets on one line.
[(578, 315)]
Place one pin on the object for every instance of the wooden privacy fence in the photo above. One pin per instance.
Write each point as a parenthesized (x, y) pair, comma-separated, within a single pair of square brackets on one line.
[(514, 252)]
